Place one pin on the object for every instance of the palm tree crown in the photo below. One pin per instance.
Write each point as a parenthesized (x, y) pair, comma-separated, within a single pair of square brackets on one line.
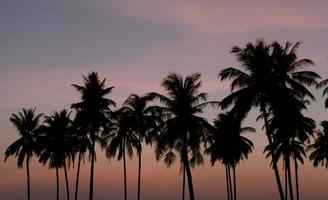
[(27, 124)]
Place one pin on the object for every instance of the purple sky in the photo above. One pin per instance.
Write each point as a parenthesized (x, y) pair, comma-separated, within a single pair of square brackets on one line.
[(47, 45)]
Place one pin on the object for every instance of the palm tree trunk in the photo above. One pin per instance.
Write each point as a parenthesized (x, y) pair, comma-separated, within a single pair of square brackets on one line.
[(92, 166), (28, 178), (139, 169), (286, 184), (57, 183), (289, 178), (124, 165), (66, 179), (230, 184), (296, 180), (77, 176), (183, 182), (234, 183), (274, 163), (227, 181), (189, 176)]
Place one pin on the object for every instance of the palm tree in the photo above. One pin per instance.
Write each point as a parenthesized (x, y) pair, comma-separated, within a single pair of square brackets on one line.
[(93, 112), (228, 145), (142, 123), (319, 148), (266, 68), (58, 144), (27, 125), (123, 140), (182, 129)]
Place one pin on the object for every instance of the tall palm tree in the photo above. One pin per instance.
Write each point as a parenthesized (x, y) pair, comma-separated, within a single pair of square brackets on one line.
[(58, 144), (319, 154), (142, 123), (266, 68), (27, 125), (93, 112), (226, 144), (123, 140), (182, 129)]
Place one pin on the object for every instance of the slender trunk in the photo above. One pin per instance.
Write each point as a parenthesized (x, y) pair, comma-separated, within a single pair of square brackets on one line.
[(234, 183), (139, 169), (66, 179), (230, 184), (57, 183), (28, 177), (189, 177), (296, 180), (274, 163), (92, 166), (227, 181), (289, 178), (286, 184), (77, 176), (124, 165), (183, 182)]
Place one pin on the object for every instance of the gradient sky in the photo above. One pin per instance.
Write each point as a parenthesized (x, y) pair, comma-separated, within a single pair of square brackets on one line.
[(46, 45)]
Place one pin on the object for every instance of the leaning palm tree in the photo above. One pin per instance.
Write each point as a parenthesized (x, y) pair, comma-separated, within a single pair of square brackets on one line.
[(182, 130), (123, 140), (226, 144), (266, 68), (142, 123), (319, 148), (27, 125), (93, 113), (58, 144)]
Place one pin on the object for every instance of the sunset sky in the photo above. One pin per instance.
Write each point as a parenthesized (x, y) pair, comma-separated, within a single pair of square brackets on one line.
[(47, 45)]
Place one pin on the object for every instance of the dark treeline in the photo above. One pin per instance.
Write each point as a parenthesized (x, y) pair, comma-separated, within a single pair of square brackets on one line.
[(271, 78)]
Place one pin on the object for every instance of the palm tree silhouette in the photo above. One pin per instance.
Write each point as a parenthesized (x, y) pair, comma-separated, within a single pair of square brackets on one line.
[(266, 68), (142, 123), (319, 154), (123, 140), (287, 100), (58, 144), (27, 125), (228, 145), (93, 112), (182, 129)]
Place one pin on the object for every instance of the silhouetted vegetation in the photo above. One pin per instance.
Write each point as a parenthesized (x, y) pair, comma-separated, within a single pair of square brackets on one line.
[(270, 77)]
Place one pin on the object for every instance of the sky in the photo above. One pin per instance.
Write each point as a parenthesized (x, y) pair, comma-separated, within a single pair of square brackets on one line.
[(46, 45)]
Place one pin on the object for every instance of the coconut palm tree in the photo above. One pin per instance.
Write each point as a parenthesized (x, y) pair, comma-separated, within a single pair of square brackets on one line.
[(142, 123), (93, 113), (319, 154), (58, 144), (226, 144), (27, 124), (265, 69), (123, 140), (182, 129)]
